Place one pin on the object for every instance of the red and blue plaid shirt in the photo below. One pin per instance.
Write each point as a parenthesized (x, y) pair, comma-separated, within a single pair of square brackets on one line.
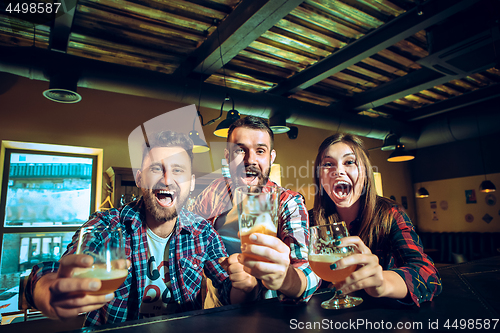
[(403, 253), (194, 249), (293, 226)]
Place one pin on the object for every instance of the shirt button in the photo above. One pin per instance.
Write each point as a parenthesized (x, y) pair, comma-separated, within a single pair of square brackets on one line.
[(195, 265)]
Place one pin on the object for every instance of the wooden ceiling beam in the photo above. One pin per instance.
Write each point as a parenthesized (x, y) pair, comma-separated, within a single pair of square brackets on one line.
[(249, 20), (387, 35), (453, 103)]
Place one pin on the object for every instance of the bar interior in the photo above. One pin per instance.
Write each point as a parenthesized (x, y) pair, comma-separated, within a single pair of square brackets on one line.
[(418, 81)]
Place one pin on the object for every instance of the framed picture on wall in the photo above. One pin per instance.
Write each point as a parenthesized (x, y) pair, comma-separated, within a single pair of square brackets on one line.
[(470, 196)]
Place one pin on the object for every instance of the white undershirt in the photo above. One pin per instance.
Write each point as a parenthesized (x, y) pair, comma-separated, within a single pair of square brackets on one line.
[(157, 298)]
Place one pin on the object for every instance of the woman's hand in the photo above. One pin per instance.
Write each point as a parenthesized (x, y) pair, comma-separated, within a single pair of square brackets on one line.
[(369, 276)]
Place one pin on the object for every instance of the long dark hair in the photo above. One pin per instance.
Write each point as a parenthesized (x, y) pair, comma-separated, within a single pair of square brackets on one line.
[(376, 212)]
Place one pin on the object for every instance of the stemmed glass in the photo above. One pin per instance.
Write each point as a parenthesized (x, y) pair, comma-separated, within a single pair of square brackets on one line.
[(323, 253), (106, 246)]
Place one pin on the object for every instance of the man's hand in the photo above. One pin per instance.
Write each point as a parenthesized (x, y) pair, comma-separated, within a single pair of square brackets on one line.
[(239, 278), (61, 296), (275, 263), (244, 284)]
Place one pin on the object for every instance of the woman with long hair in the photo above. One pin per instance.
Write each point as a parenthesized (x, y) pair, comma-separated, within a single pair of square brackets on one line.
[(388, 250)]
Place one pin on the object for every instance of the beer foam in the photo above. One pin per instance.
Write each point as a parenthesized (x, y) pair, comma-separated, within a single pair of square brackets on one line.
[(330, 258), (100, 273), (265, 220)]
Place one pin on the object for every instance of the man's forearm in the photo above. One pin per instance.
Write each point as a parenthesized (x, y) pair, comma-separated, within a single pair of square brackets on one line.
[(294, 284), (239, 296)]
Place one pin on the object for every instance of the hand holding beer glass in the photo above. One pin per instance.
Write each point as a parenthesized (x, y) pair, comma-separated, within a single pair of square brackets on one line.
[(323, 253), (110, 265), (257, 212)]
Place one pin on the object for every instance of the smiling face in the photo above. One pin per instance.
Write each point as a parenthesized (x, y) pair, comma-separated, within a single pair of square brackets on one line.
[(165, 181), (341, 175), (250, 156)]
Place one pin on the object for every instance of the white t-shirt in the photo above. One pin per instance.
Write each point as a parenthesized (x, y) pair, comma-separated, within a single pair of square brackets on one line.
[(157, 298)]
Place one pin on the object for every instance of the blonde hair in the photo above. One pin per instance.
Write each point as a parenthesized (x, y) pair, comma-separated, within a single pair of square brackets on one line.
[(376, 212)]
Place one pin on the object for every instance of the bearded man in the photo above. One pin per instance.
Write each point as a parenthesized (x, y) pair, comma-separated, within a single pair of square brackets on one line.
[(286, 272)]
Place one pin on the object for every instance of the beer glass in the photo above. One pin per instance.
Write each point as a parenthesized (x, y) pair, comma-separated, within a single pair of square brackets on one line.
[(323, 253), (106, 246), (257, 212)]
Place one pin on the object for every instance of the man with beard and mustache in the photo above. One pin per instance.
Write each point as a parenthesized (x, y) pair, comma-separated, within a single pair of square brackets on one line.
[(168, 249), (250, 153)]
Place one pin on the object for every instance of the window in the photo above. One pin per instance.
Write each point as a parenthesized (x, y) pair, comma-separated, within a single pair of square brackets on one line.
[(47, 192)]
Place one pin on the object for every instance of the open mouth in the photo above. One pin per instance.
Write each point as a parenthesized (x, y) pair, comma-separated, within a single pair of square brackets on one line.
[(165, 198), (249, 176), (341, 189)]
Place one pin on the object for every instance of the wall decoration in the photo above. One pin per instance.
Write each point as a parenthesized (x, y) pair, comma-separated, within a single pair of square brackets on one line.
[(444, 205), (491, 199), (470, 196), (434, 216), (487, 218), (404, 202), (433, 204), (469, 218)]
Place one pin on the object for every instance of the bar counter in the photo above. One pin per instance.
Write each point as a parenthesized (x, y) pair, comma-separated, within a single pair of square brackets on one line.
[(470, 301)]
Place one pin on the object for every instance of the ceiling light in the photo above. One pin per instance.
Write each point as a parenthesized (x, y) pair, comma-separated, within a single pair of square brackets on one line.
[(422, 193), (223, 127), (487, 186), (400, 154), (232, 115), (199, 146), (62, 89), (277, 123)]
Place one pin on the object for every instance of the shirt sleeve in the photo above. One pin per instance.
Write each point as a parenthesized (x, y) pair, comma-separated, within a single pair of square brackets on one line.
[(411, 263), (37, 272), (294, 232)]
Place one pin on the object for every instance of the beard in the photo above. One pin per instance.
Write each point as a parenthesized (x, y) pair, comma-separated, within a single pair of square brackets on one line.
[(159, 213)]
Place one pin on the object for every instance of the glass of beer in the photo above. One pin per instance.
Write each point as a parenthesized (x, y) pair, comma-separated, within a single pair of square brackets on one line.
[(323, 253), (257, 212), (106, 246)]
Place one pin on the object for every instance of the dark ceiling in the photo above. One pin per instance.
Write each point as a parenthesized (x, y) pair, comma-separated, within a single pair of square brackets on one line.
[(364, 66)]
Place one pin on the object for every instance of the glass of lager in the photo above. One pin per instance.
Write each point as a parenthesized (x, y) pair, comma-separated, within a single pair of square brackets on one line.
[(106, 246), (257, 211), (323, 253)]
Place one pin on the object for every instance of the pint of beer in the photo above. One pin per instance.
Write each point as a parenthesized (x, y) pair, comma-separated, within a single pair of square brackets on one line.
[(257, 211), (106, 246)]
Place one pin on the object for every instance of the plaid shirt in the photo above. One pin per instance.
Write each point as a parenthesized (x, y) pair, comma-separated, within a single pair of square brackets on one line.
[(403, 253), (194, 248), (293, 226)]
